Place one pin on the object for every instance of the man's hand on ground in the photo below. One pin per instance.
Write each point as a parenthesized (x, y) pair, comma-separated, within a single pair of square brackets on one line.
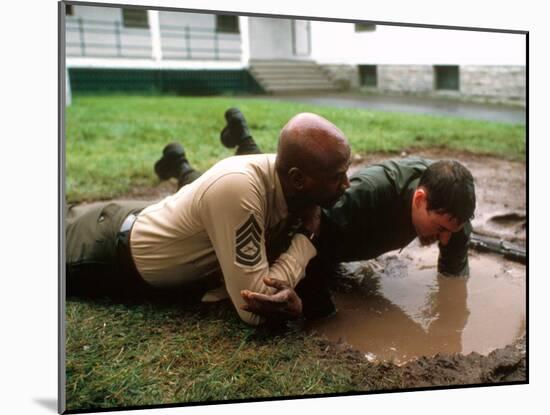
[(284, 303)]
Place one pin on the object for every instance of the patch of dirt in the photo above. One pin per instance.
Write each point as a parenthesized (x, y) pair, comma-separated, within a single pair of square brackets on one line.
[(501, 365), (504, 365)]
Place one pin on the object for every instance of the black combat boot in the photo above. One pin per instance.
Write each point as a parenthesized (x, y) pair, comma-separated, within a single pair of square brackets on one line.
[(173, 162), (236, 131)]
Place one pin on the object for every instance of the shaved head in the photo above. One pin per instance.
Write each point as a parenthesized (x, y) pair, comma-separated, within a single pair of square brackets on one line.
[(312, 159), (310, 142)]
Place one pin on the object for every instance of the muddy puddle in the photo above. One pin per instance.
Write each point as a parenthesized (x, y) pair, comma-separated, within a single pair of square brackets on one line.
[(397, 307)]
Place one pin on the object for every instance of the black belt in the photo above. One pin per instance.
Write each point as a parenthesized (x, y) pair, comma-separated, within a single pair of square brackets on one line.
[(123, 248)]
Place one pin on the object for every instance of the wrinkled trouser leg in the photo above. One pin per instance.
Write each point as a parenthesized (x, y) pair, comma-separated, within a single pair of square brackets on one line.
[(93, 267)]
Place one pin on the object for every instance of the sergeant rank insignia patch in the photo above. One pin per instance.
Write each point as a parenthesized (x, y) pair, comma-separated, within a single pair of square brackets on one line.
[(248, 249)]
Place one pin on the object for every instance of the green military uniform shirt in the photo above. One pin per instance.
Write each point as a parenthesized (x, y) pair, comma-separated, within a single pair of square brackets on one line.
[(374, 216)]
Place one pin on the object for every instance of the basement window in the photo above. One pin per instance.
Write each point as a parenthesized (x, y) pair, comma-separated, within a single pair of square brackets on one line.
[(227, 24), (365, 27), (368, 75), (135, 18), (447, 77)]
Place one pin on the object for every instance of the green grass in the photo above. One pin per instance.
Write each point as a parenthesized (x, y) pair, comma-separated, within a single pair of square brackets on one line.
[(112, 142), (146, 354)]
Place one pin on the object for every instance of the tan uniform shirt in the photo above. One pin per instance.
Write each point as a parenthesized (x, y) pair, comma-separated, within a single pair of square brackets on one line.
[(220, 220)]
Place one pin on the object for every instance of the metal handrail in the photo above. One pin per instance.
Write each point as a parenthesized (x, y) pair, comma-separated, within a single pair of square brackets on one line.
[(194, 29), (187, 34), (166, 35), (167, 48), (104, 31), (93, 21), (99, 45)]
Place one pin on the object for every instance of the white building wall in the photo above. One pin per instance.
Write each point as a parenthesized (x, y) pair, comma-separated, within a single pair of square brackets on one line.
[(395, 45)]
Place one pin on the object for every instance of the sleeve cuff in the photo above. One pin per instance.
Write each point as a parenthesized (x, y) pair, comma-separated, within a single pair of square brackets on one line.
[(304, 247)]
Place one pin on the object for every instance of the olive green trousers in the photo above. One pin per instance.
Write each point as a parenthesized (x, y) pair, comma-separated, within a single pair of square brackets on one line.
[(93, 261)]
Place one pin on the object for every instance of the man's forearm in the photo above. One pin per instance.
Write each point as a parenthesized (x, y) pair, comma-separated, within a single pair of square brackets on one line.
[(453, 257)]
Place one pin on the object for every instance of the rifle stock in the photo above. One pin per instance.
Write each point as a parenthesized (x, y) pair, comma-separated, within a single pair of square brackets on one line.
[(507, 249)]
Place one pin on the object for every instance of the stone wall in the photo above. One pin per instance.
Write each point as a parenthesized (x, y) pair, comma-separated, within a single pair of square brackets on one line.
[(346, 77), (499, 83), (405, 78)]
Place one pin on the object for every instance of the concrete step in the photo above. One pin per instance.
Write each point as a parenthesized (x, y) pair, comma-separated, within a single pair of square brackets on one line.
[(282, 64), (300, 87), (290, 76), (296, 78), (285, 74), (293, 89), (285, 67), (292, 79), (299, 82)]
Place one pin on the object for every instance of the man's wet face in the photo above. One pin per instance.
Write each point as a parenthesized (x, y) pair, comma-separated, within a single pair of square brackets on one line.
[(436, 227), (432, 226)]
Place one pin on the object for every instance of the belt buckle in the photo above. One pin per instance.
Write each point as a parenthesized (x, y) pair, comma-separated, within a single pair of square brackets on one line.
[(128, 223)]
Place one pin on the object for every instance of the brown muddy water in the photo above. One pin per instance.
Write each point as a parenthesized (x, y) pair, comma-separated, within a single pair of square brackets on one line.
[(397, 307)]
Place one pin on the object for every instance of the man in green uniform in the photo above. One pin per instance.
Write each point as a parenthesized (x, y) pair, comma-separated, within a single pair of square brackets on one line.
[(387, 206)]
